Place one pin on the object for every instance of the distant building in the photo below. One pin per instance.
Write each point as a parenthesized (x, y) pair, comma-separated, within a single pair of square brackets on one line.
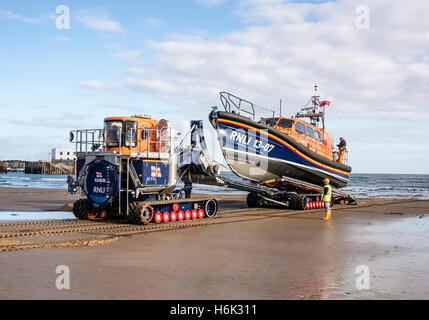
[(63, 154)]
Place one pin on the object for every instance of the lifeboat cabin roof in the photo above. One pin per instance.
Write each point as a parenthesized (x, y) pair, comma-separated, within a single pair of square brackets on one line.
[(316, 139)]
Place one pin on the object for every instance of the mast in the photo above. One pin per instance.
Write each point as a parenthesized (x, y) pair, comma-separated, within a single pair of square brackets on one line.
[(315, 112)]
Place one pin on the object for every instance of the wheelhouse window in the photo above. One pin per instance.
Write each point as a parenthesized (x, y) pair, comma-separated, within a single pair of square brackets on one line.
[(130, 133), (271, 122), (310, 132), (145, 133), (300, 128), (285, 123), (113, 131), (317, 135)]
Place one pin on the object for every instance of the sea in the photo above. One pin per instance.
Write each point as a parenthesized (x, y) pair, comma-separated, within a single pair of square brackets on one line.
[(360, 185)]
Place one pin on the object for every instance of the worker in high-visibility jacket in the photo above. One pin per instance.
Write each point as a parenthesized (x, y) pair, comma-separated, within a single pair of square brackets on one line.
[(326, 198), (342, 147)]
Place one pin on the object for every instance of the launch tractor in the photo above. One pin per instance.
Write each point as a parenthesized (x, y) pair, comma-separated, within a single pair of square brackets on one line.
[(129, 169)]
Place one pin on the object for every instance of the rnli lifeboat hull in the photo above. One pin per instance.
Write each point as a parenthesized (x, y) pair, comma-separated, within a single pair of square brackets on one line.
[(257, 152)]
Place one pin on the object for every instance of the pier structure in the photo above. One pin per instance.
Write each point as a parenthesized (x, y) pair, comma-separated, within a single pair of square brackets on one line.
[(38, 167)]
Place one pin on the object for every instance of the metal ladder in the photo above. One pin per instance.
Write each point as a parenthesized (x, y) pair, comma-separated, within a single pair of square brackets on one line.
[(127, 185)]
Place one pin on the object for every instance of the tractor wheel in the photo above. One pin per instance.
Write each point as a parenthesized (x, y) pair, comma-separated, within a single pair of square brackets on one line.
[(139, 213), (298, 201), (210, 208), (253, 200), (293, 200), (183, 194), (81, 208)]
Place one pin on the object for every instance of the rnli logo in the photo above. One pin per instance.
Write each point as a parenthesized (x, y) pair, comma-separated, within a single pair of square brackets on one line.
[(99, 178), (155, 172)]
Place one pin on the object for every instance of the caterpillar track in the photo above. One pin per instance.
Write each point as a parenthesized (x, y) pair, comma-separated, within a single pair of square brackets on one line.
[(78, 233), (82, 233), (145, 212)]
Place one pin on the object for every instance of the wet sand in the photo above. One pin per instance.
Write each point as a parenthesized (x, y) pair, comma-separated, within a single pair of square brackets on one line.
[(56, 200), (293, 256), (36, 199)]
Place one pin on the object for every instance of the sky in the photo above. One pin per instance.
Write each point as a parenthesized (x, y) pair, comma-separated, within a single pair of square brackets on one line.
[(170, 59)]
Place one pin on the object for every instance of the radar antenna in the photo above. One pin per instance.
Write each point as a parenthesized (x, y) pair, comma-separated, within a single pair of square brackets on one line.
[(315, 112)]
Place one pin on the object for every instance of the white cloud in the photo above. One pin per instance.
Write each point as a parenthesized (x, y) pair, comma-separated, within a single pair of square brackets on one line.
[(210, 3), (62, 39), (113, 46), (101, 23), (291, 46), (153, 22), (151, 85), (381, 72), (13, 16), (99, 85), (127, 55), (281, 12), (137, 71)]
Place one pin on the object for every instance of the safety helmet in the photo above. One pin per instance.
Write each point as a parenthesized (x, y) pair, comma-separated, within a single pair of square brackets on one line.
[(326, 180)]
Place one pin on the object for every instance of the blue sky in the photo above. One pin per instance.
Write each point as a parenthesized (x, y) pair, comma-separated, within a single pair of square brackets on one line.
[(171, 58)]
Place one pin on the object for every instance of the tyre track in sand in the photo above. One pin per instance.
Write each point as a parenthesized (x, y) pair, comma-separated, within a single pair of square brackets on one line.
[(32, 234), (101, 232)]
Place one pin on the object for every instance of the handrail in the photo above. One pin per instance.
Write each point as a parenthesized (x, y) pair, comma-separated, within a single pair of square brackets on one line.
[(228, 102), (88, 139), (144, 142)]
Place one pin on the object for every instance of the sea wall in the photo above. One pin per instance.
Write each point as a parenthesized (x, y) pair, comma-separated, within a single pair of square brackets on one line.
[(49, 168), (37, 167)]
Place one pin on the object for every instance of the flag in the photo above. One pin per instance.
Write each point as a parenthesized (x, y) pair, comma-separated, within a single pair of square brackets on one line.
[(155, 172), (99, 175), (325, 103)]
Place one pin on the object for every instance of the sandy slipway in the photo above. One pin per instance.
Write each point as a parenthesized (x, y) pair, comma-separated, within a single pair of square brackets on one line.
[(241, 254)]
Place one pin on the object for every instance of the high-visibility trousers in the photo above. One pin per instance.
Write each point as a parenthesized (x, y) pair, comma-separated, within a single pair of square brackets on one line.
[(341, 155)]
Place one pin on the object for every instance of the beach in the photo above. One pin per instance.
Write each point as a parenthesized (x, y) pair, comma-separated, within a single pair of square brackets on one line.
[(29, 199), (241, 254)]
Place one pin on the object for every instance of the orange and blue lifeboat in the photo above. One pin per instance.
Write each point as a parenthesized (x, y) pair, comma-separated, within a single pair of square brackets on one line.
[(277, 147)]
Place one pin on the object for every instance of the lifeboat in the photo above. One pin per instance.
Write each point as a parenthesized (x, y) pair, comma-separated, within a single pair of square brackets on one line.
[(273, 147)]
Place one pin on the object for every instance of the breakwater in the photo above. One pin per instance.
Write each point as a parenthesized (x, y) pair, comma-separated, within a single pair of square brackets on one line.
[(37, 167)]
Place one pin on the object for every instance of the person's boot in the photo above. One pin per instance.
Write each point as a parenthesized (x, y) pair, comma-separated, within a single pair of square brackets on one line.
[(327, 215)]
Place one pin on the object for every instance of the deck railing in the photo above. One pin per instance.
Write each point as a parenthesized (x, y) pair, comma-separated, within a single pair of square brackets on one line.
[(141, 142), (234, 104), (152, 143), (87, 140), (345, 159)]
